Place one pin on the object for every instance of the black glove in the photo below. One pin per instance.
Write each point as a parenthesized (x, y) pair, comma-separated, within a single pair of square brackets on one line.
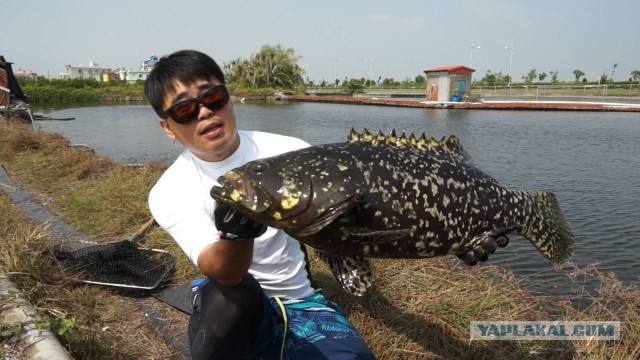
[(481, 253), (234, 226)]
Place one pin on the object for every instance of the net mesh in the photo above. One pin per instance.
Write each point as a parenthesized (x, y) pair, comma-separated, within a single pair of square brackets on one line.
[(120, 263)]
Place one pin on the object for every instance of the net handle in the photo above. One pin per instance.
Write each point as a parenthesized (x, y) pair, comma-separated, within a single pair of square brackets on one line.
[(140, 234)]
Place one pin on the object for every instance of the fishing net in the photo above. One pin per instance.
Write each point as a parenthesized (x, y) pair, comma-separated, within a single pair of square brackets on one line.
[(122, 264)]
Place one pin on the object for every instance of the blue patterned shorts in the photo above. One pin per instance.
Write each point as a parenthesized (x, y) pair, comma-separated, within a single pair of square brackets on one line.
[(316, 329)]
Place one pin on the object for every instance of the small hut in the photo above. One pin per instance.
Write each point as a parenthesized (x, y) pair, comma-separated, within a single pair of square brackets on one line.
[(11, 95), (448, 83)]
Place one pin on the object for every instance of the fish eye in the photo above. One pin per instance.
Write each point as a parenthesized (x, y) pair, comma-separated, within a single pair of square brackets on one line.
[(257, 167)]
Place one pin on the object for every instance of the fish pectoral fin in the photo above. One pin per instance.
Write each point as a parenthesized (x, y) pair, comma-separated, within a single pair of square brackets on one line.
[(378, 237), (353, 274), (326, 218)]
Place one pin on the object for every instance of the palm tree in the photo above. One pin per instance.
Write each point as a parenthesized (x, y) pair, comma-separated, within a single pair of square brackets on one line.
[(273, 67), (613, 72)]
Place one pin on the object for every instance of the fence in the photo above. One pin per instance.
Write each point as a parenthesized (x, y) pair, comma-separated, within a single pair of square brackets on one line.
[(630, 90)]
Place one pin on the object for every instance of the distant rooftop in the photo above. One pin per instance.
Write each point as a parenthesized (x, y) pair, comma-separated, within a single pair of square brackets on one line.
[(455, 69)]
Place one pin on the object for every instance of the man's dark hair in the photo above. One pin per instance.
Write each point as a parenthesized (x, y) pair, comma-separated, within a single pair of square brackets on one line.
[(185, 66)]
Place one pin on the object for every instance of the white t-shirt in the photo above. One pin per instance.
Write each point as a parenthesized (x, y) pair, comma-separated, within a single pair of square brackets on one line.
[(181, 204)]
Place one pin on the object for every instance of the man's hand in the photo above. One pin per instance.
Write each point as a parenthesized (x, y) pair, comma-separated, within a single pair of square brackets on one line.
[(481, 253), (234, 226)]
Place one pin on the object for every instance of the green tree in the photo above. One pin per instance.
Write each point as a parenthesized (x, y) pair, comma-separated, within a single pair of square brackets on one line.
[(603, 78), (387, 82), (542, 76), (273, 67), (532, 74), (613, 71), (420, 79), (554, 76), (353, 86), (369, 82), (578, 74), (489, 79), (635, 75)]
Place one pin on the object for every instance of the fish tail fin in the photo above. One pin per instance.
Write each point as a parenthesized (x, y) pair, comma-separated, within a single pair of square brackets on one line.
[(549, 232)]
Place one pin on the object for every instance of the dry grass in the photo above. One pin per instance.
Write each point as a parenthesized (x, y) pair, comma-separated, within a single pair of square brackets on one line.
[(417, 309), (105, 325), (422, 310)]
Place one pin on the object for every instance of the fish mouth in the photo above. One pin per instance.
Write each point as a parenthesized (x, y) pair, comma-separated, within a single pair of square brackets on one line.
[(235, 190)]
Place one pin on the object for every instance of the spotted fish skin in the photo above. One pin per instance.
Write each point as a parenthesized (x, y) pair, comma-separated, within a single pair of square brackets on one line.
[(378, 196)]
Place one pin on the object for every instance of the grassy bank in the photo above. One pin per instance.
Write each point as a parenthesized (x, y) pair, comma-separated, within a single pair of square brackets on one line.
[(79, 90), (417, 310)]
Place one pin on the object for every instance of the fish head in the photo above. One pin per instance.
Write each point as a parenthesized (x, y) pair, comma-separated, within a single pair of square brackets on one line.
[(301, 194)]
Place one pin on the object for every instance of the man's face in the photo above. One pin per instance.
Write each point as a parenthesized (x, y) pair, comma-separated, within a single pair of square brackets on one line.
[(213, 136)]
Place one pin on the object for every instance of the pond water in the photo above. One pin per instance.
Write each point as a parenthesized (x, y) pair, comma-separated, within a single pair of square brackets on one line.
[(591, 160)]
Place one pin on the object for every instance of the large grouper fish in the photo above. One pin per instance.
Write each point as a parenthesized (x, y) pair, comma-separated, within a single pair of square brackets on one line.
[(378, 196)]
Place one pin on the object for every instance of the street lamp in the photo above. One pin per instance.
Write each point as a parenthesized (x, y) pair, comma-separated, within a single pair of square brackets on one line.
[(471, 56), (510, 48), (370, 61), (335, 70)]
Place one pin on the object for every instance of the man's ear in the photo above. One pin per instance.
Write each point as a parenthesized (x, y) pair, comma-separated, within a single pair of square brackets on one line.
[(164, 124)]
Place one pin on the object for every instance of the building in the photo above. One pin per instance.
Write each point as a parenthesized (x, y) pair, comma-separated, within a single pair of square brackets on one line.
[(9, 86), (148, 65), (106, 74), (84, 72), (25, 75), (12, 100), (448, 83), (132, 76)]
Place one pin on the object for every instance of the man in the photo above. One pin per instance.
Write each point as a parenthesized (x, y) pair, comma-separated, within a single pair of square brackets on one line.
[(254, 274), (258, 300)]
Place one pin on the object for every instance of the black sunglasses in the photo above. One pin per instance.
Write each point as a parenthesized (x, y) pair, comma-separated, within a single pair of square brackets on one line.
[(186, 111)]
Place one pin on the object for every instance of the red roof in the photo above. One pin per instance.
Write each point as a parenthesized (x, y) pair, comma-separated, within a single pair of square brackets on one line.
[(456, 69)]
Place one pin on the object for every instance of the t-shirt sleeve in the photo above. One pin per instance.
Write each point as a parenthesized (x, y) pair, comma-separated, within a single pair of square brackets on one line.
[(188, 223)]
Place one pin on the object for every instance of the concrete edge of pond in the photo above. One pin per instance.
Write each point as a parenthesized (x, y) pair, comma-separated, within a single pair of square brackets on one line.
[(481, 105), (35, 342)]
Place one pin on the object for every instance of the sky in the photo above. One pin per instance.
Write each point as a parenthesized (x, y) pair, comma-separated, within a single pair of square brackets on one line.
[(399, 39)]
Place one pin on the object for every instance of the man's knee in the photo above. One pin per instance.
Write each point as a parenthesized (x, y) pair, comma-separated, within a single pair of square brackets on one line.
[(222, 314), (215, 296)]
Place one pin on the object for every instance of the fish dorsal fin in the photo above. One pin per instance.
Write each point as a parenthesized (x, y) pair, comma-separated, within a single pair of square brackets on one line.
[(453, 146), (379, 139), (392, 138), (413, 142), (432, 144), (450, 145), (422, 142), (402, 141), (353, 137), (366, 137)]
